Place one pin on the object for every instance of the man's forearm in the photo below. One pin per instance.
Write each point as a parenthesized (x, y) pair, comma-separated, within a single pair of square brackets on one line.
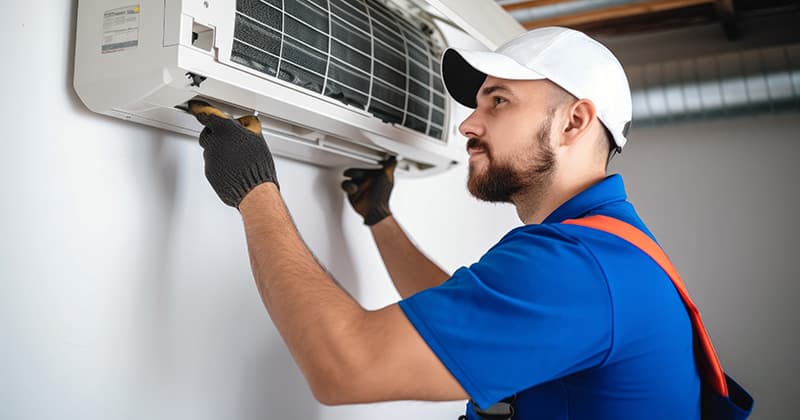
[(411, 271), (345, 352), (313, 314)]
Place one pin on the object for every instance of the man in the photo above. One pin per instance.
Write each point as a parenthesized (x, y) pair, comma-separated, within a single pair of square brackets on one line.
[(556, 320)]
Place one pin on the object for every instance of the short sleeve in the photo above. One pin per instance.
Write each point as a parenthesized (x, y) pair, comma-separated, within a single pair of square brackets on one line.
[(536, 307)]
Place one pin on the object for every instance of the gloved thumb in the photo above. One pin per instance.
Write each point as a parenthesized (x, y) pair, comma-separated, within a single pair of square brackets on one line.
[(349, 187), (252, 123)]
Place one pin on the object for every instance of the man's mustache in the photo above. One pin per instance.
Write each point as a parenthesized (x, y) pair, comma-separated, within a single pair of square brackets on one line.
[(475, 143)]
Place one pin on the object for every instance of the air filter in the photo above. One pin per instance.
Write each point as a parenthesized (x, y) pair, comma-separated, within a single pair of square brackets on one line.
[(362, 53)]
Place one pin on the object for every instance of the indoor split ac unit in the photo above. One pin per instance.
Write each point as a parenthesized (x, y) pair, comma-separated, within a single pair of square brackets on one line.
[(334, 82)]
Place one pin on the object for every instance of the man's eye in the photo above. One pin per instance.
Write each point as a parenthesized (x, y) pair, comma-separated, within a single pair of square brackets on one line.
[(498, 100)]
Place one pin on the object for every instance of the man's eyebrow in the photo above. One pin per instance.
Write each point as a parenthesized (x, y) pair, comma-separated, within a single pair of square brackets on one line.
[(494, 88)]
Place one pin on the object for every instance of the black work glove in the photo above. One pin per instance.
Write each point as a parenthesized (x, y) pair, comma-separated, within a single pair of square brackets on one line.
[(369, 189), (236, 154)]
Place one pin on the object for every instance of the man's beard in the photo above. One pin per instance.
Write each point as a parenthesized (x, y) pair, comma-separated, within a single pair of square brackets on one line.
[(501, 181)]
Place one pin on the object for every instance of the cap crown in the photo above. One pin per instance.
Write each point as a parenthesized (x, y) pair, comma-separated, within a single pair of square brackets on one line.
[(581, 66)]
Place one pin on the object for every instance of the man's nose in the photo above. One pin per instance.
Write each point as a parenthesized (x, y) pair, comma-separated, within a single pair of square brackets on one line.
[(473, 126)]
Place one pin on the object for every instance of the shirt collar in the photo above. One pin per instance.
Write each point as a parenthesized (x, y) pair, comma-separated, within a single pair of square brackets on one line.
[(611, 189)]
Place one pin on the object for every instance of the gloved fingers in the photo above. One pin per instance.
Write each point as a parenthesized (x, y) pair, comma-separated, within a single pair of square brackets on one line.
[(205, 113), (206, 137), (390, 162), (355, 173), (252, 123), (389, 166)]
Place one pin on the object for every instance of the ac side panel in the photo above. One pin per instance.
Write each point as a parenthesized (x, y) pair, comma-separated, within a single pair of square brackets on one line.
[(107, 78)]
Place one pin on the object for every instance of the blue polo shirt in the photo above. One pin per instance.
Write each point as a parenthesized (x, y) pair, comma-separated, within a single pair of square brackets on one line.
[(577, 323)]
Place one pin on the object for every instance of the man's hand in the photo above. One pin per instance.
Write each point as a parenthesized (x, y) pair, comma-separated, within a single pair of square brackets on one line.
[(236, 154), (369, 190)]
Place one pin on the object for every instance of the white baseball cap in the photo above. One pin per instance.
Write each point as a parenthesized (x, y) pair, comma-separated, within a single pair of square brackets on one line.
[(569, 58)]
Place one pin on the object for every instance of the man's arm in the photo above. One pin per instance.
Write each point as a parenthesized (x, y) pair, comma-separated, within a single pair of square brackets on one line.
[(347, 354), (411, 271), (368, 191)]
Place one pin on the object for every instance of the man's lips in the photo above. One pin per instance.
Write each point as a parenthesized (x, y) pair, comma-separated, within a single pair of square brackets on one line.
[(475, 151), (475, 147)]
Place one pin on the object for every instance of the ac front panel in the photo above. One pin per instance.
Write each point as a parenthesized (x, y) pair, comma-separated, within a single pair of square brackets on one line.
[(276, 101)]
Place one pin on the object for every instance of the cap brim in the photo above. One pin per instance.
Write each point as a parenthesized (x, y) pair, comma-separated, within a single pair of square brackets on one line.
[(464, 71)]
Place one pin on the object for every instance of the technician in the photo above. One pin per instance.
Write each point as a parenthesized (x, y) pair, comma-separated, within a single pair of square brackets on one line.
[(555, 321)]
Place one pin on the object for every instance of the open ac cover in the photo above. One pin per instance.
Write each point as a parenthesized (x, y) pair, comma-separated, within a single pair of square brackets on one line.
[(334, 82)]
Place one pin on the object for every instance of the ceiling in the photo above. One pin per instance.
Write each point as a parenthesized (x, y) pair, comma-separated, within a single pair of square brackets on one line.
[(614, 17), (689, 59)]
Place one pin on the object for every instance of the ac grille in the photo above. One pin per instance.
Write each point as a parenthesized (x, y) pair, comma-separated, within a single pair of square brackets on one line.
[(356, 51)]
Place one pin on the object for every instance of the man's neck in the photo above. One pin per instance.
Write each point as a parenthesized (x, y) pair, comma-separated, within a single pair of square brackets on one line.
[(534, 207)]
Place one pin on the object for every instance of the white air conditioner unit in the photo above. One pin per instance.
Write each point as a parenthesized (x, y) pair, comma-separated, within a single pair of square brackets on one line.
[(334, 82)]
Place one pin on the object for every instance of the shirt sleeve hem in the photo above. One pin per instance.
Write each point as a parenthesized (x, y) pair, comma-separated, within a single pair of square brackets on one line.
[(449, 362)]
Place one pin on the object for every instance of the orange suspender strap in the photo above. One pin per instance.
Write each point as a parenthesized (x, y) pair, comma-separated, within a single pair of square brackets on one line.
[(708, 364)]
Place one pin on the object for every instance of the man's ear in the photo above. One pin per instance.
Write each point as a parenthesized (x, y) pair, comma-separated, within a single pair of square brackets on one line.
[(578, 121)]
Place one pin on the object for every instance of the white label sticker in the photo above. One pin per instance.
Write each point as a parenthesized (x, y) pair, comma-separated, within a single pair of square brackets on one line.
[(120, 29)]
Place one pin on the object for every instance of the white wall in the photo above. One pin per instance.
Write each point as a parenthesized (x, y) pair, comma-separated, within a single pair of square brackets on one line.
[(125, 290)]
